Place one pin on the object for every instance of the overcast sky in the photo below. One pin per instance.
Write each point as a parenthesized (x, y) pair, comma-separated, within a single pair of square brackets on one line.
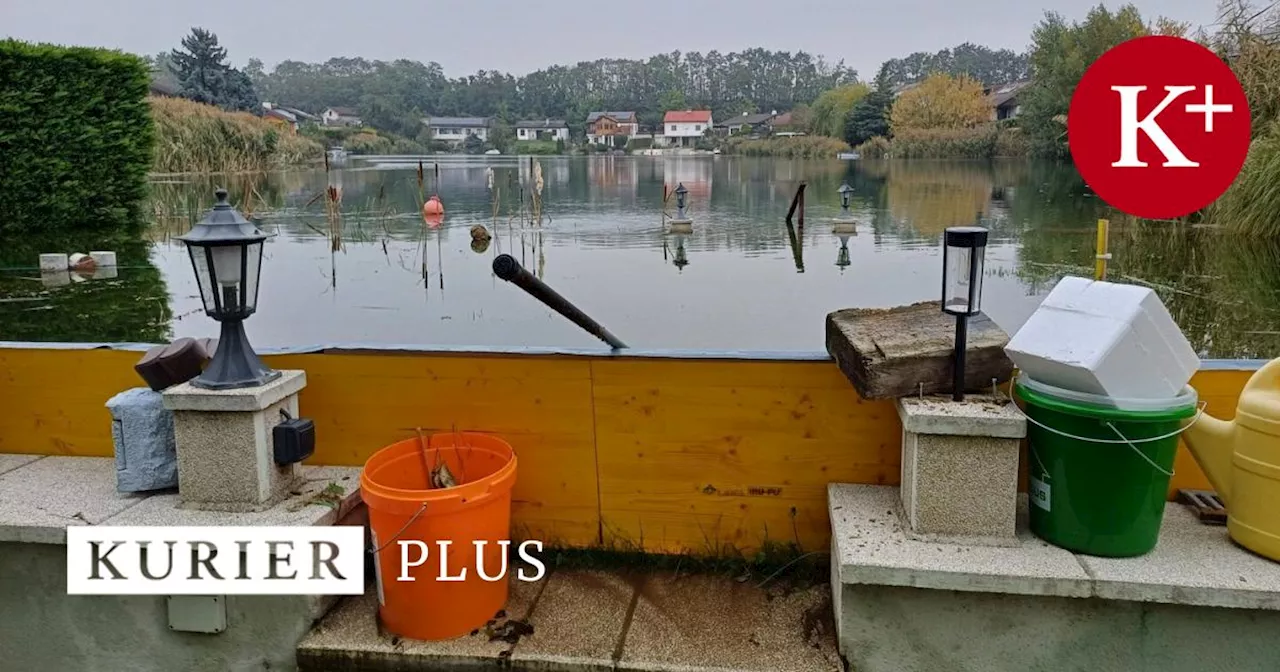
[(520, 36)]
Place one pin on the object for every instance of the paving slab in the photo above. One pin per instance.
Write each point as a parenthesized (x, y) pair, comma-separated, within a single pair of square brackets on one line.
[(350, 639), (317, 502), (872, 546), (1193, 564), (41, 498), (10, 461), (710, 623), (577, 621)]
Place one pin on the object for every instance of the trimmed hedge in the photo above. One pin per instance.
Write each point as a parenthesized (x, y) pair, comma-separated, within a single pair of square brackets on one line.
[(75, 139)]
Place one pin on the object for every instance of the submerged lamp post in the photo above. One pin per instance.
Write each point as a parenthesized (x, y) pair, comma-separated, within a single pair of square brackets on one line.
[(846, 192), (226, 253), (962, 257), (681, 194)]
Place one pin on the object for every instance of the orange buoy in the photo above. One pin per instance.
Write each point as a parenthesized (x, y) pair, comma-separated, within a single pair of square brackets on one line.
[(433, 206), (403, 507), (433, 221)]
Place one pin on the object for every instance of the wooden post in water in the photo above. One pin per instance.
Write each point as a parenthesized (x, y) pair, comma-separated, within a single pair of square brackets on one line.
[(797, 201), (1101, 255)]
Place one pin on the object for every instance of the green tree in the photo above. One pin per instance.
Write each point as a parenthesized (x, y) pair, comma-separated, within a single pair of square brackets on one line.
[(869, 117), (989, 66), (204, 76), (831, 109), (1060, 54), (473, 145), (672, 99)]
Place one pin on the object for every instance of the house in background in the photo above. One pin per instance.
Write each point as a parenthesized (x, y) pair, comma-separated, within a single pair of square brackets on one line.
[(542, 129), (162, 88), (683, 128), (903, 88), (303, 117), (280, 117), (1004, 100), (341, 116), (457, 129), (752, 123), (605, 127)]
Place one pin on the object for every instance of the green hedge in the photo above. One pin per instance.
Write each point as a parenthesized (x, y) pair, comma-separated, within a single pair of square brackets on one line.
[(75, 139)]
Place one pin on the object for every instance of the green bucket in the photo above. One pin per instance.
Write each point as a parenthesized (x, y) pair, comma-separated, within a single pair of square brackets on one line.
[(1099, 468)]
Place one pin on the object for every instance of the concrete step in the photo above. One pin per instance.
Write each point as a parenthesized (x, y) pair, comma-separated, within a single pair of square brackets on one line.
[(606, 620), (906, 604)]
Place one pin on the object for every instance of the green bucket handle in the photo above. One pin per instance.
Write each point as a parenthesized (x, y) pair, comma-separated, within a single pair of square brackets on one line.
[(1123, 439)]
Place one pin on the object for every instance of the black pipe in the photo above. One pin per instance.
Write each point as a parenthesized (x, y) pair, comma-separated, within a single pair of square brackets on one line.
[(962, 333), (506, 267)]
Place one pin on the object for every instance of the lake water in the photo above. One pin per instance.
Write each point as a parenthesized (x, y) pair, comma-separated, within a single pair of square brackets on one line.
[(741, 281)]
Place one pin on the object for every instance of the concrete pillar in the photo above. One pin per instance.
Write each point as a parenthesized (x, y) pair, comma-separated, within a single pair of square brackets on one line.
[(960, 465), (225, 450)]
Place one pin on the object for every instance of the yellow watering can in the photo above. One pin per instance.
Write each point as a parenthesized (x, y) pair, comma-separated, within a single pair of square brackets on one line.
[(1242, 460)]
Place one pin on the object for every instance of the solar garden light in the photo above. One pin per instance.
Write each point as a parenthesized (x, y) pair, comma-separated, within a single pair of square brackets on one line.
[(226, 253), (962, 257)]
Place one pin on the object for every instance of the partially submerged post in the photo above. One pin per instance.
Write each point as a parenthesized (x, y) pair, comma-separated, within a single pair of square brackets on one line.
[(797, 203)]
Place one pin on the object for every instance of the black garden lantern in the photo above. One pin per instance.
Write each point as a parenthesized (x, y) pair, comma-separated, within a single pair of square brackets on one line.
[(226, 253), (681, 194), (964, 248), (846, 193)]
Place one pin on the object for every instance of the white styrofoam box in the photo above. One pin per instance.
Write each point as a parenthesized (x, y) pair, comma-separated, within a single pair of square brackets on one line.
[(103, 258), (1105, 338), (54, 262)]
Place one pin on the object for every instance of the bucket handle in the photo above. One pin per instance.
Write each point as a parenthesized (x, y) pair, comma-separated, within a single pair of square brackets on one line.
[(392, 540), (1123, 439)]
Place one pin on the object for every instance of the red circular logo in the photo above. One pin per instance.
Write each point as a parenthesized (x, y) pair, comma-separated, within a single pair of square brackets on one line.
[(1159, 127)]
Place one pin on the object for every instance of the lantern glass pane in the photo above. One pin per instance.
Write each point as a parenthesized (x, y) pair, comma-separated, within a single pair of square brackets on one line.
[(956, 297), (975, 289), (201, 265), (253, 257), (227, 266)]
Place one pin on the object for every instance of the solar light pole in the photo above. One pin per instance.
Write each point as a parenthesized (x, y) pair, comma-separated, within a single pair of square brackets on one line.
[(963, 252), (226, 253)]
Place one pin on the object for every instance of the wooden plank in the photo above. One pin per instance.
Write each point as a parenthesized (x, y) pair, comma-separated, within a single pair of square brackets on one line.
[(706, 457), (894, 353)]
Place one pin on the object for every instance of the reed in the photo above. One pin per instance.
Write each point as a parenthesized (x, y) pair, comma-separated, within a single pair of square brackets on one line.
[(1251, 206), (195, 138), (795, 147)]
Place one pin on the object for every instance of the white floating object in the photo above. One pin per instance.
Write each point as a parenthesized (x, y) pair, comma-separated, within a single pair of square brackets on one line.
[(53, 262), (55, 278), (1107, 339), (104, 258)]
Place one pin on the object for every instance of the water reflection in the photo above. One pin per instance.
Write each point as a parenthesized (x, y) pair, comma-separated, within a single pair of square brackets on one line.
[(367, 267)]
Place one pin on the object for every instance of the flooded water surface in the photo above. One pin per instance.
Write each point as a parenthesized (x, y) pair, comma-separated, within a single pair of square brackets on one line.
[(370, 270)]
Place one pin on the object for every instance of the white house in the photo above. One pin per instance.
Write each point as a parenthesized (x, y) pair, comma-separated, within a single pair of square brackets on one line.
[(341, 116), (683, 128), (456, 129), (542, 129)]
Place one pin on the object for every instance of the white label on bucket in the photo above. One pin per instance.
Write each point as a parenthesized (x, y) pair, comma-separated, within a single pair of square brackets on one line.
[(377, 567), (1039, 493)]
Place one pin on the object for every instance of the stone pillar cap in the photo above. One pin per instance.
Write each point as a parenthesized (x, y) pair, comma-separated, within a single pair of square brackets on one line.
[(187, 397), (978, 415)]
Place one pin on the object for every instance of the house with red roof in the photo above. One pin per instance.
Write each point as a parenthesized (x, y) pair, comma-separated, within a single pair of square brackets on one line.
[(683, 128)]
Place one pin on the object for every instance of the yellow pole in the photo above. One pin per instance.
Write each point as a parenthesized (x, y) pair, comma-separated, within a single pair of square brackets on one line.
[(1102, 255)]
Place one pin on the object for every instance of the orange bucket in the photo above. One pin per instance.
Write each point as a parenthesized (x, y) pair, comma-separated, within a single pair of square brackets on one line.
[(394, 484)]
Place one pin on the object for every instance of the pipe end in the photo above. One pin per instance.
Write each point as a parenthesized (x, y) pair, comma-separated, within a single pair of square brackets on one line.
[(506, 267)]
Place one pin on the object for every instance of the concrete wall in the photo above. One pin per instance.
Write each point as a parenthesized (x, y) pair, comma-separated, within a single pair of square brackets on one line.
[(43, 628), (895, 629)]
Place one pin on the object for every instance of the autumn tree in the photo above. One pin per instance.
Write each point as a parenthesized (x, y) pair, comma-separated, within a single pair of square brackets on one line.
[(941, 101), (827, 116)]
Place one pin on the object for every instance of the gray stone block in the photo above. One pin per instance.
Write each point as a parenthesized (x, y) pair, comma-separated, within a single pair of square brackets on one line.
[(142, 431)]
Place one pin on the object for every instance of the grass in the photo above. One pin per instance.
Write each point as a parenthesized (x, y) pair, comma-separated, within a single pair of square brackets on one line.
[(1251, 207), (195, 138), (795, 147)]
